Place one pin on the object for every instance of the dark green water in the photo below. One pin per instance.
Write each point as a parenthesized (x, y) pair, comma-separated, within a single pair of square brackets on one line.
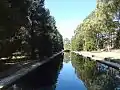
[(71, 73)]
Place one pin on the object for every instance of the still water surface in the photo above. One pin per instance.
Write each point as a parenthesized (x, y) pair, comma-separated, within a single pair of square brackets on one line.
[(72, 72), (67, 79)]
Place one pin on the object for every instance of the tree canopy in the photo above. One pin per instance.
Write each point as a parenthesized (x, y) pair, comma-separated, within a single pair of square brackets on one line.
[(30, 23), (100, 28)]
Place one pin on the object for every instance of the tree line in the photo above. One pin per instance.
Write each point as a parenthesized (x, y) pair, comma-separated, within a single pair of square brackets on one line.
[(27, 27), (100, 28)]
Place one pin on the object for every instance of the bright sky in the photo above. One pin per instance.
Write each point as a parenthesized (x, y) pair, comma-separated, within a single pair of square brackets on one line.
[(69, 13)]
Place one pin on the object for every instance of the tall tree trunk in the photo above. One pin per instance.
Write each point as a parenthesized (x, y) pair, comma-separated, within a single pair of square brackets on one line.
[(33, 55), (117, 41)]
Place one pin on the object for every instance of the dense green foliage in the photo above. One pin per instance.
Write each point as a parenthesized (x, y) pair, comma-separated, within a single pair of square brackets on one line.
[(100, 28), (13, 16), (67, 45), (26, 26)]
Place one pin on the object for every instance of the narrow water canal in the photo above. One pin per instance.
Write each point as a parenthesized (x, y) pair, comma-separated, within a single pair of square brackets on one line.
[(67, 79), (71, 73)]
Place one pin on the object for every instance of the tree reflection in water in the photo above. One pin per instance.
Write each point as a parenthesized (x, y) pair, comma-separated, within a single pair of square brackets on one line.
[(96, 76), (66, 57), (43, 78)]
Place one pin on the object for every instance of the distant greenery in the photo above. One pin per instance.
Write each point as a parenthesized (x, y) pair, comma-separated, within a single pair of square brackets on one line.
[(67, 44), (26, 26), (100, 29)]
